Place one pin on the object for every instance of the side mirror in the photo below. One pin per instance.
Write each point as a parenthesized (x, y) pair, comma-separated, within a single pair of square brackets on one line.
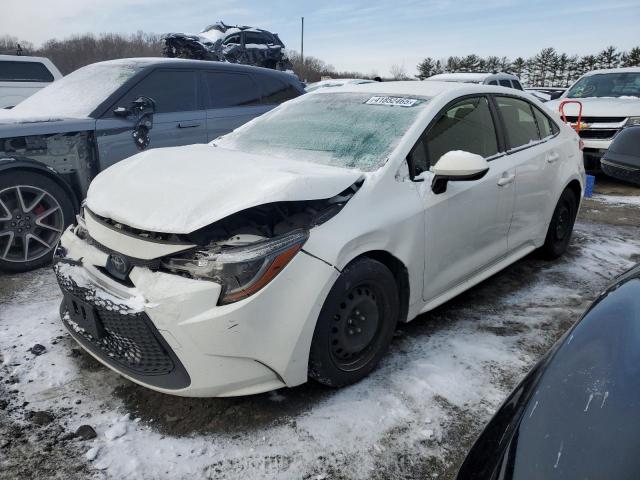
[(143, 106), (140, 107), (457, 166), (555, 95)]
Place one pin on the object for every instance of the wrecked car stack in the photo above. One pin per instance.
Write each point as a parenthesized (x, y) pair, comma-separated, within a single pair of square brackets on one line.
[(234, 44)]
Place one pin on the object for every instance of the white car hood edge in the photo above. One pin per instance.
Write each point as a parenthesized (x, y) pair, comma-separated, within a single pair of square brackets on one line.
[(182, 189)]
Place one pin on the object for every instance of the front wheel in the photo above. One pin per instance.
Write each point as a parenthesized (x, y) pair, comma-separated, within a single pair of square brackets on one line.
[(355, 325), (34, 210), (561, 226)]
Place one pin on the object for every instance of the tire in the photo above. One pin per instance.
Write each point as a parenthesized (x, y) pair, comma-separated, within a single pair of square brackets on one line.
[(355, 325), (561, 226), (34, 211)]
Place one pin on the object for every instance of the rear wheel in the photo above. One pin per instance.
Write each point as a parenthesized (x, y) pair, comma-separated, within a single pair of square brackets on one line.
[(355, 325), (34, 211), (561, 226)]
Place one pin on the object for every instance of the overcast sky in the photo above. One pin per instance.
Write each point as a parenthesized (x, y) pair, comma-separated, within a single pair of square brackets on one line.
[(362, 35)]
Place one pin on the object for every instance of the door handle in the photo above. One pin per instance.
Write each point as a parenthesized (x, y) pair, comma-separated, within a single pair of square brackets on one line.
[(552, 157), (188, 125), (506, 179)]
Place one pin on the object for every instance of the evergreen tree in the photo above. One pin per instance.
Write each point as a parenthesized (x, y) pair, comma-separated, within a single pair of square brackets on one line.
[(588, 63), (631, 58), (573, 70), (519, 68), (492, 64), (426, 68), (504, 64), (546, 68), (609, 58), (470, 63), (453, 64)]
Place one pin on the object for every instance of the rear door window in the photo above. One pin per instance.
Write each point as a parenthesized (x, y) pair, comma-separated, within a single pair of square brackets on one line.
[(467, 125), (171, 90), (545, 125), (226, 89), (519, 121), (12, 71), (505, 83), (256, 38), (276, 91)]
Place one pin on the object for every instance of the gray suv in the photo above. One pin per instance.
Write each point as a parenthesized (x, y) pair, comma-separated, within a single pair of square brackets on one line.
[(56, 141)]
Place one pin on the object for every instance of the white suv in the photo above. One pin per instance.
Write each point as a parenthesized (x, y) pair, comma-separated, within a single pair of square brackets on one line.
[(292, 246), (21, 77), (610, 102), (497, 78)]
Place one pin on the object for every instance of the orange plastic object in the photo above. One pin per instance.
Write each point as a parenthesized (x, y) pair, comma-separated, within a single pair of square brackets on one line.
[(576, 126)]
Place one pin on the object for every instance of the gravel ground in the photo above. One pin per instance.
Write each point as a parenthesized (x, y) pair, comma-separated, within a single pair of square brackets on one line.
[(416, 416)]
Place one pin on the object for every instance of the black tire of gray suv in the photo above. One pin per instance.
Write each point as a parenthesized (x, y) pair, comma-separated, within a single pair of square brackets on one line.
[(561, 226), (34, 211), (355, 325)]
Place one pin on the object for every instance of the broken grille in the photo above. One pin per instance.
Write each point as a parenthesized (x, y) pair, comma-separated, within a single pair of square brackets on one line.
[(598, 134), (573, 119), (128, 341)]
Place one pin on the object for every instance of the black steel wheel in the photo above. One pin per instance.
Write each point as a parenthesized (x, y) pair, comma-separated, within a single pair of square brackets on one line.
[(355, 325), (34, 211), (561, 226)]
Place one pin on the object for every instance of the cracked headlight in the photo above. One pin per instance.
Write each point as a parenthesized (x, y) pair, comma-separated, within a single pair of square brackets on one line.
[(632, 122), (80, 228), (241, 270)]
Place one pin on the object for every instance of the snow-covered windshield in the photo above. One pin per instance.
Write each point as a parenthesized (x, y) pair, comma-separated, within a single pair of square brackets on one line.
[(352, 130), (77, 94), (607, 85)]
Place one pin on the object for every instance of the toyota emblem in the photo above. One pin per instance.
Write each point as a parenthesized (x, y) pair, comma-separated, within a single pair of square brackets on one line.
[(119, 264)]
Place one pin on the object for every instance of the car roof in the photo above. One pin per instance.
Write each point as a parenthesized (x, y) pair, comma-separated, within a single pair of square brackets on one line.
[(149, 62), (469, 76), (555, 89), (414, 87), (340, 80), (23, 58), (613, 70)]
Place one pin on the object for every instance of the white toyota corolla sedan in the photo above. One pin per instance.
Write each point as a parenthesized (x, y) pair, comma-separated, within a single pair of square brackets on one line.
[(291, 247)]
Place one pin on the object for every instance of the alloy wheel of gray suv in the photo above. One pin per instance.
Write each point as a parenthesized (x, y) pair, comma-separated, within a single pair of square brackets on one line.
[(34, 211)]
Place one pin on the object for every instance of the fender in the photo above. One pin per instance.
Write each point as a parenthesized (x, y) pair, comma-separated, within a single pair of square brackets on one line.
[(26, 164)]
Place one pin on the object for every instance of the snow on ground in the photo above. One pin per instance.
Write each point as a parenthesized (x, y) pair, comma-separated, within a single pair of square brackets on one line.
[(633, 200), (416, 415)]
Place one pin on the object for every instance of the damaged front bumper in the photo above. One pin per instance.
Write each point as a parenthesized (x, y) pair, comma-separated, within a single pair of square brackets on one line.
[(168, 333)]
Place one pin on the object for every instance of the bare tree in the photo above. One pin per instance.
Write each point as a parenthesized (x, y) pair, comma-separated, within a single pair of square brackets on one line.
[(398, 72), (80, 50), (13, 46)]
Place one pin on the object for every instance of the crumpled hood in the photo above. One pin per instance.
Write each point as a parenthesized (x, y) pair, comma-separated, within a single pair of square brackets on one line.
[(600, 107), (182, 189)]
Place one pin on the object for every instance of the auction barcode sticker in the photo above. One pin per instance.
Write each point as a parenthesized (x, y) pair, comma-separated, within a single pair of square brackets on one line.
[(399, 101)]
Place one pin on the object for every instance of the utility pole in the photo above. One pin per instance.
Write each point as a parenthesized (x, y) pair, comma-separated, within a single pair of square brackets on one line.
[(302, 43)]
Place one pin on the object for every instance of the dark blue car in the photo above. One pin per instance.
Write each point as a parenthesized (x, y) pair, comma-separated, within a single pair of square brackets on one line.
[(575, 415), (56, 141)]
